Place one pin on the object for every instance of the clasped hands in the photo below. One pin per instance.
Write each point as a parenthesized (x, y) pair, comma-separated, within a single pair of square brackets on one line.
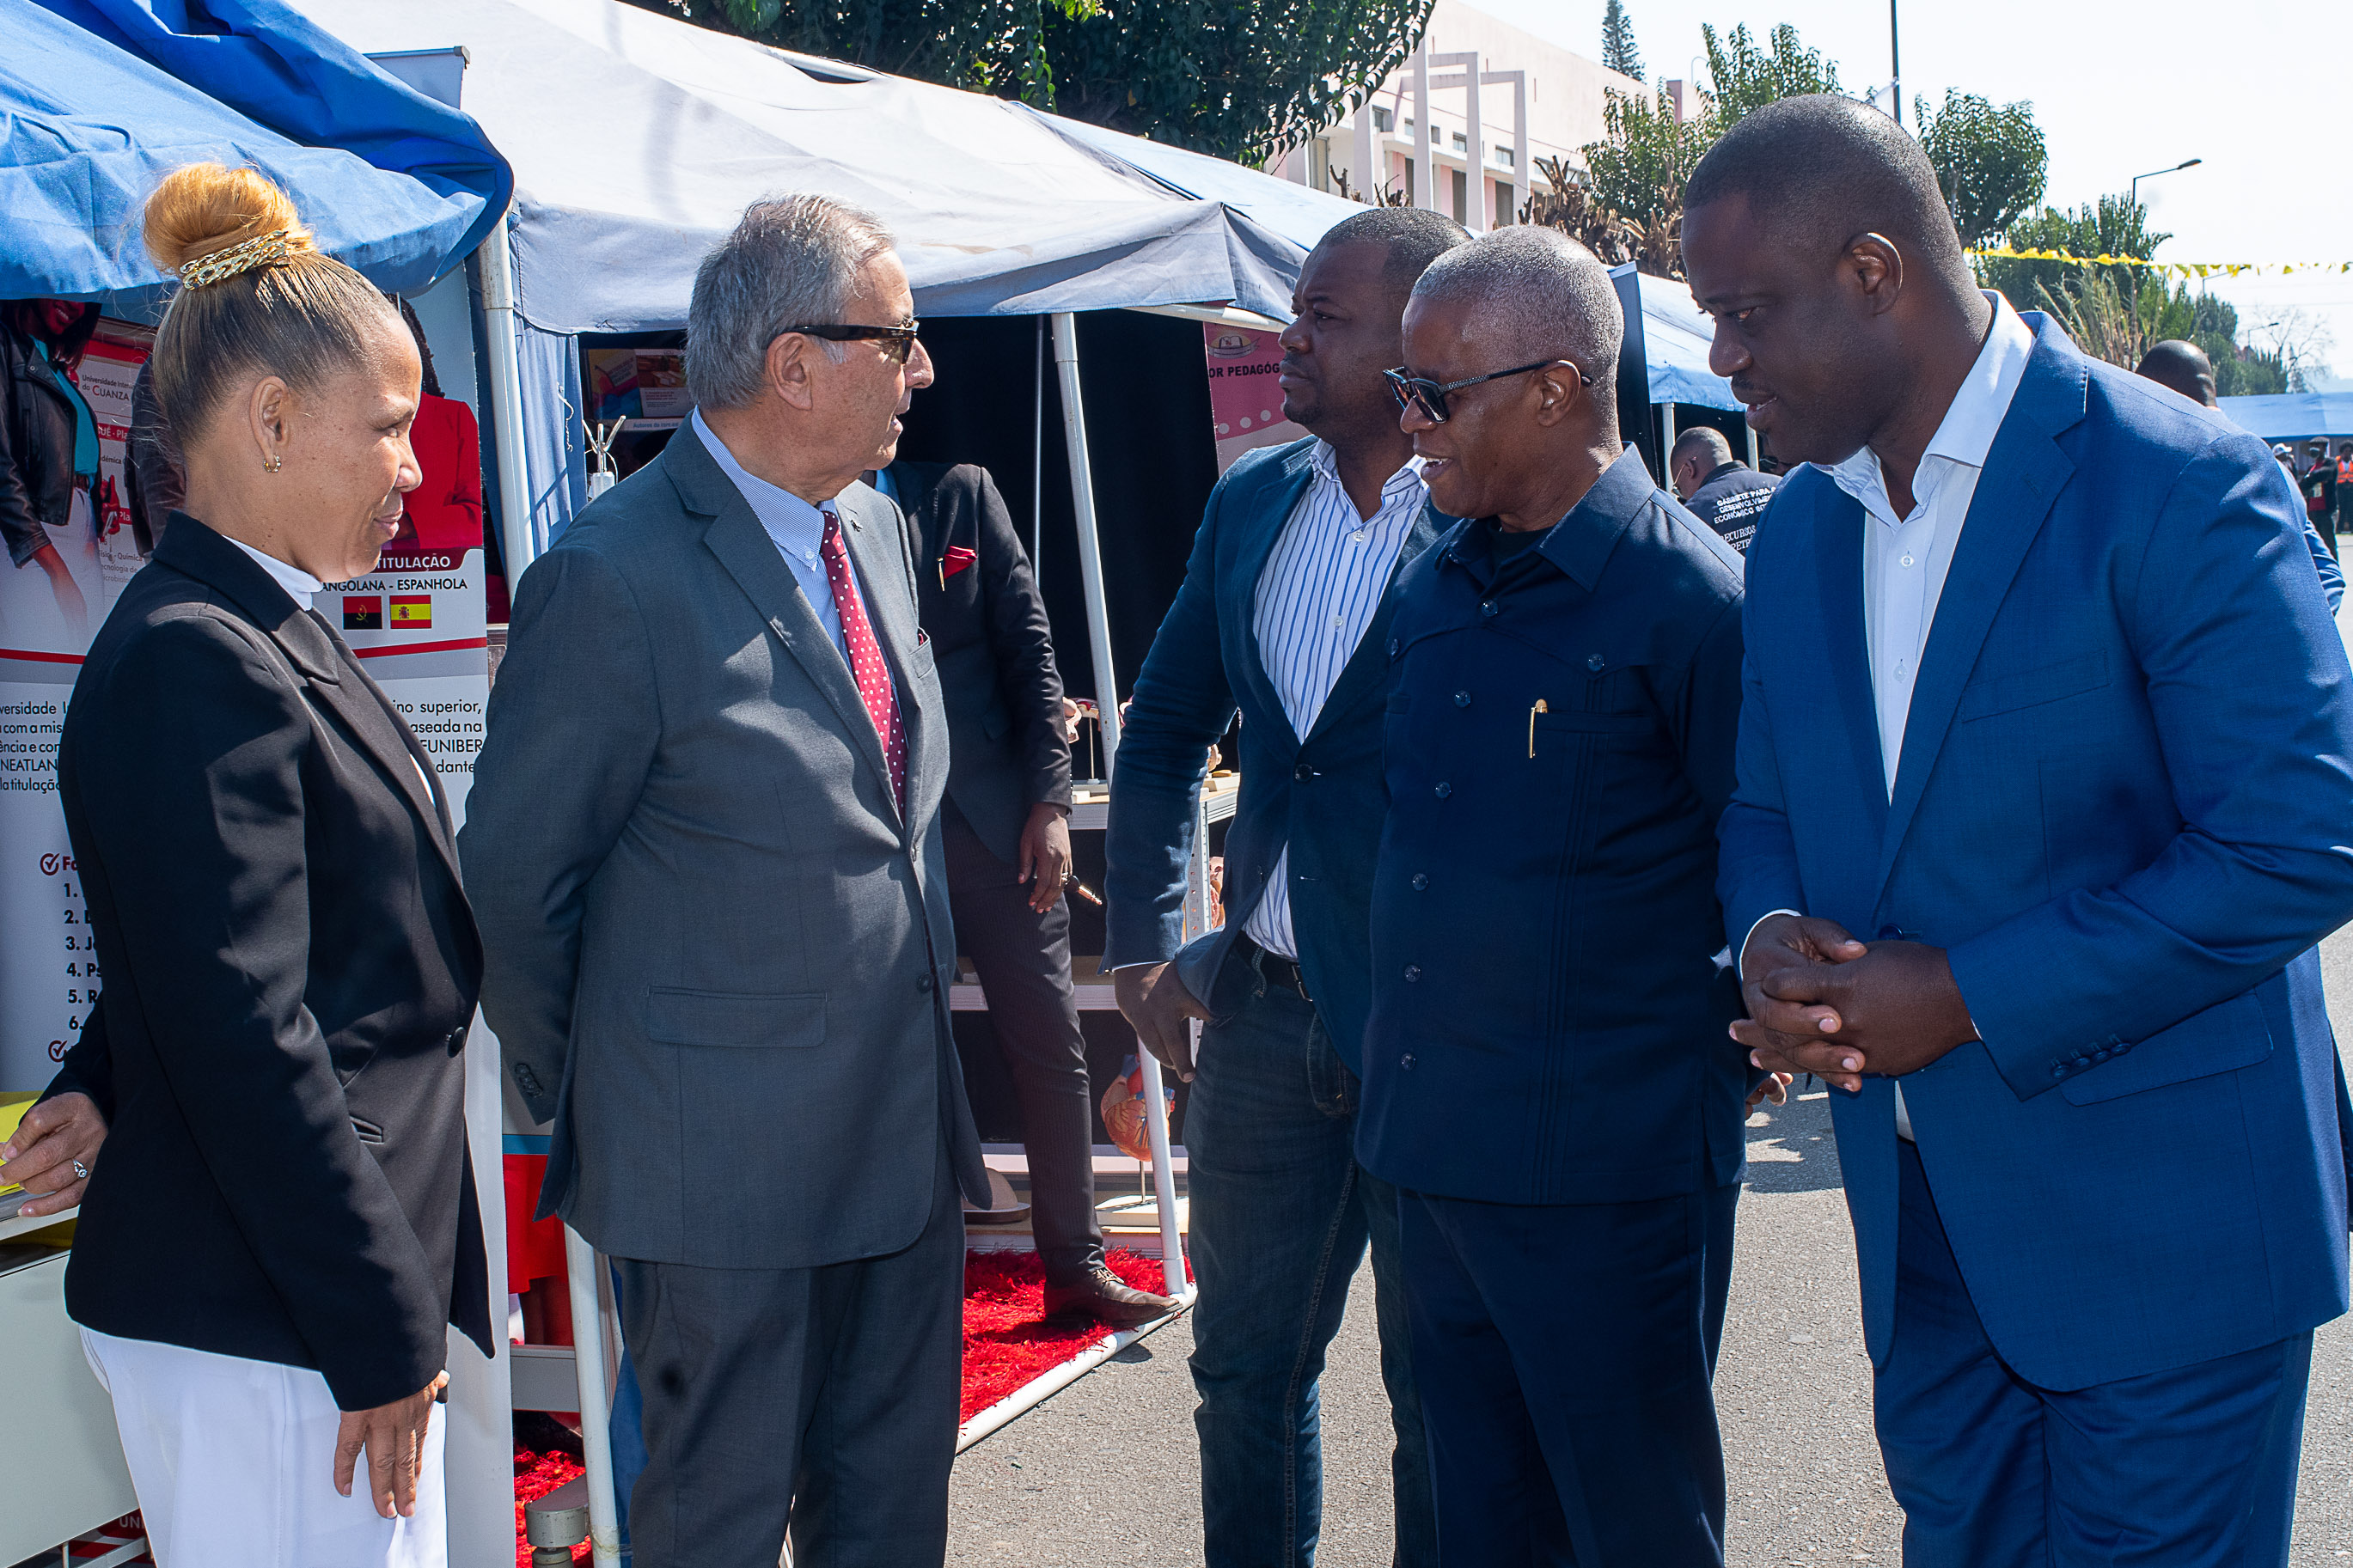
[(1822, 1003)]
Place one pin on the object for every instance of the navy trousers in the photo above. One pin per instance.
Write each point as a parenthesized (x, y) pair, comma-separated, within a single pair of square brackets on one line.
[(2191, 1468), (1565, 1354)]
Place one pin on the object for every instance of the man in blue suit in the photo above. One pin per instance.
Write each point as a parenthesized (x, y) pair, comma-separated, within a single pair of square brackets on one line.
[(1283, 619), (2041, 698)]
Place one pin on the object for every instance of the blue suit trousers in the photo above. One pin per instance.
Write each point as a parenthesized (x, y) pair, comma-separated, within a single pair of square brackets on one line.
[(1565, 1354), (2190, 1468)]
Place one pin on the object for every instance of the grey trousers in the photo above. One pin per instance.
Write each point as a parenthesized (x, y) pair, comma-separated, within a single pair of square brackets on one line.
[(822, 1400)]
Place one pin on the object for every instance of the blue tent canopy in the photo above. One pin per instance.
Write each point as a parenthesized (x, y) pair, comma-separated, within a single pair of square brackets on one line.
[(97, 105), (2293, 415), (1675, 339)]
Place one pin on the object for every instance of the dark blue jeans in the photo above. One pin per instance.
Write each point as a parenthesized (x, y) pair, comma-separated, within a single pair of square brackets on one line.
[(1281, 1215)]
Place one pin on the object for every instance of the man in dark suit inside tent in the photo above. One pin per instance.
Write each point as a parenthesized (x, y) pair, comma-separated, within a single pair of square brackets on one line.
[(1005, 825)]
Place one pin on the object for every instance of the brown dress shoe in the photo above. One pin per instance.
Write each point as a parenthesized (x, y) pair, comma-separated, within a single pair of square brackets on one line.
[(1098, 1294)]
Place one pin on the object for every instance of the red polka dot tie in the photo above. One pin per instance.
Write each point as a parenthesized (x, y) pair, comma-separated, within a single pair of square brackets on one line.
[(866, 662)]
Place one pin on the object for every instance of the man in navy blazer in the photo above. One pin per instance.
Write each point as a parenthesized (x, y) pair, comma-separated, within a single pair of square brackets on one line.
[(1283, 618), (2042, 699)]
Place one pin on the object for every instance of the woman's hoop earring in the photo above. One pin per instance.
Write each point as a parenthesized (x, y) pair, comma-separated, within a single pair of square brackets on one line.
[(272, 463)]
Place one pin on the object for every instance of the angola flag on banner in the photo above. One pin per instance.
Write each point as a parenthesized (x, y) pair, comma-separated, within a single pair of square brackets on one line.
[(412, 612), (363, 612)]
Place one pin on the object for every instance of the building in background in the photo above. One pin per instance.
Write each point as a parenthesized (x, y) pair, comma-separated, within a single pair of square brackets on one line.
[(1467, 148)]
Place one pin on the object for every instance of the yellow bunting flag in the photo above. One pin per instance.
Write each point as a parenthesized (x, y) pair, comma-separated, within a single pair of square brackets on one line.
[(2180, 268)]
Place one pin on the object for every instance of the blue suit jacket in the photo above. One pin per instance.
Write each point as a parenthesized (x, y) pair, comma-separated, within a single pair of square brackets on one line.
[(2123, 808), (1321, 795)]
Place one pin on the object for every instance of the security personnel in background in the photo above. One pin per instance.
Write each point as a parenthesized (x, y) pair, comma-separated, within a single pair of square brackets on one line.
[(1547, 1074), (2320, 494), (2345, 487), (1721, 491)]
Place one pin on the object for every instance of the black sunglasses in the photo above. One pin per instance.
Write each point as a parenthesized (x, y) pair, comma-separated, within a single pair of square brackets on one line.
[(897, 343), (1409, 390)]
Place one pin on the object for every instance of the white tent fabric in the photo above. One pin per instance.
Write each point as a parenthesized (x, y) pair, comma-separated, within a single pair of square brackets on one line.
[(636, 140), (1299, 213)]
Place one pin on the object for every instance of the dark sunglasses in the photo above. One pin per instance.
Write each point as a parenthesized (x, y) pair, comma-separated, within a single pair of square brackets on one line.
[(1409, 390), (897, 343)]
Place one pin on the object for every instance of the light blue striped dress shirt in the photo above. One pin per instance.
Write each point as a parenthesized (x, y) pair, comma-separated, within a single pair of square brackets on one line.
[(1316, 597), (794, 526)]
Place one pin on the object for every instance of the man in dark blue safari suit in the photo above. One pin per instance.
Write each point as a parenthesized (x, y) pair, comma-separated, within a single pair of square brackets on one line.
[(1548, 1076), (2043, 700)]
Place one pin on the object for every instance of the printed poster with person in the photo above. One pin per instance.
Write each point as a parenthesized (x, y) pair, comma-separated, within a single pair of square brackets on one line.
[(51, 604), (417, 621)]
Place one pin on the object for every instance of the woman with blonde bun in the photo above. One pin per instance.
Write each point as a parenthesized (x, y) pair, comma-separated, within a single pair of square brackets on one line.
[(279, 1227)]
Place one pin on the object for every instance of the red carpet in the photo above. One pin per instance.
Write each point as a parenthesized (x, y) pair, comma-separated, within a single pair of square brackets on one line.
[(1007, 1340), (536, 1475), (1006, 1343)]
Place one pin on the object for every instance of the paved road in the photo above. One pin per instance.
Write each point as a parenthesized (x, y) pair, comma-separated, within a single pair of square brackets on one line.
[(1106, 1473)]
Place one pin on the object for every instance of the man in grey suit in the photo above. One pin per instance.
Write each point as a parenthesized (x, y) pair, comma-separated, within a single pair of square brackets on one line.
[(705, 850)]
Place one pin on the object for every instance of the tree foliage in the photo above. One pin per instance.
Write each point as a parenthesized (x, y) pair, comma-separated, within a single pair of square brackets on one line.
[(1989, 160), (1638, 172), (1237, 79), (2114, 225), (1745, 77), (2117, 311), (1618, 50), (1571, 205)]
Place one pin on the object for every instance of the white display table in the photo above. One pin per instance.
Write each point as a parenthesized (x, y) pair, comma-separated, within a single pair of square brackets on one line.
[(64, 1475)]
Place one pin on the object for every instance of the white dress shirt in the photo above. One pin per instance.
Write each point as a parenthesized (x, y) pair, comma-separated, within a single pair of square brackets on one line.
[(795, 527), (1315, 596), (1905, 560), (300, 585)]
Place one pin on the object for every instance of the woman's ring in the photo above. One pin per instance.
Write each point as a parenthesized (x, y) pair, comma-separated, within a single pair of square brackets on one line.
[(80, 1171)]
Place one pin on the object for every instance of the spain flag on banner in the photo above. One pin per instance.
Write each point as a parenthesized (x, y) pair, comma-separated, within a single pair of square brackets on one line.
[(412, 612), (362, 612)]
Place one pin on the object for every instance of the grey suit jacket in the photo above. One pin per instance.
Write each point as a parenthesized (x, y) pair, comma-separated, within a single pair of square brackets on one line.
[(716, 954)]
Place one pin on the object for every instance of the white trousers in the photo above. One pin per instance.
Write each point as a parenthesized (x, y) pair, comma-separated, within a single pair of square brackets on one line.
[(234, 1462)]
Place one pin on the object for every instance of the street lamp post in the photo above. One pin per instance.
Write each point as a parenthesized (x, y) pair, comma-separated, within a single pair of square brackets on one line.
[(1895, 64), (2136, 179)]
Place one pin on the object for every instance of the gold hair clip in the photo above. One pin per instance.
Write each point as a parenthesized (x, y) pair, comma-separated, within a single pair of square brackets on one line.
[(243, 256)]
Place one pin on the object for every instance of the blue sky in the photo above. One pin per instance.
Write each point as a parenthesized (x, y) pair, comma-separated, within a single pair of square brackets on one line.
[(2262, 91)]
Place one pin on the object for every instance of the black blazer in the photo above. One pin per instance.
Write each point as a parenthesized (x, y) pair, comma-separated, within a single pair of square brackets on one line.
[(978, 597), (290, 969)]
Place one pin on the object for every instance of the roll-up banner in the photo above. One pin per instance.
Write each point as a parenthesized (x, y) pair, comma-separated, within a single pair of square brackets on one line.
[(417, 621), (1245, 405)]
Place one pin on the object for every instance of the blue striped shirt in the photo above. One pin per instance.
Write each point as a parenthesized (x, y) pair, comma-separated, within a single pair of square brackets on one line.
[(1316, 597)]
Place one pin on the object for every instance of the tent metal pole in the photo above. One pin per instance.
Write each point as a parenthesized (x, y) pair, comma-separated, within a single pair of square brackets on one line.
[(1753, 460), (517, 536), (1082, 506), (581, 1263), (1667, 450), (1090, 574), (1037, 464)]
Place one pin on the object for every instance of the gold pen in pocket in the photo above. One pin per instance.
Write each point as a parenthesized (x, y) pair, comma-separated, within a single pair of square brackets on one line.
[(1540, 707)]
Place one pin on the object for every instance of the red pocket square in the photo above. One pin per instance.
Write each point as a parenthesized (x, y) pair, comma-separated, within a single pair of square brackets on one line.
[(955, 560)]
